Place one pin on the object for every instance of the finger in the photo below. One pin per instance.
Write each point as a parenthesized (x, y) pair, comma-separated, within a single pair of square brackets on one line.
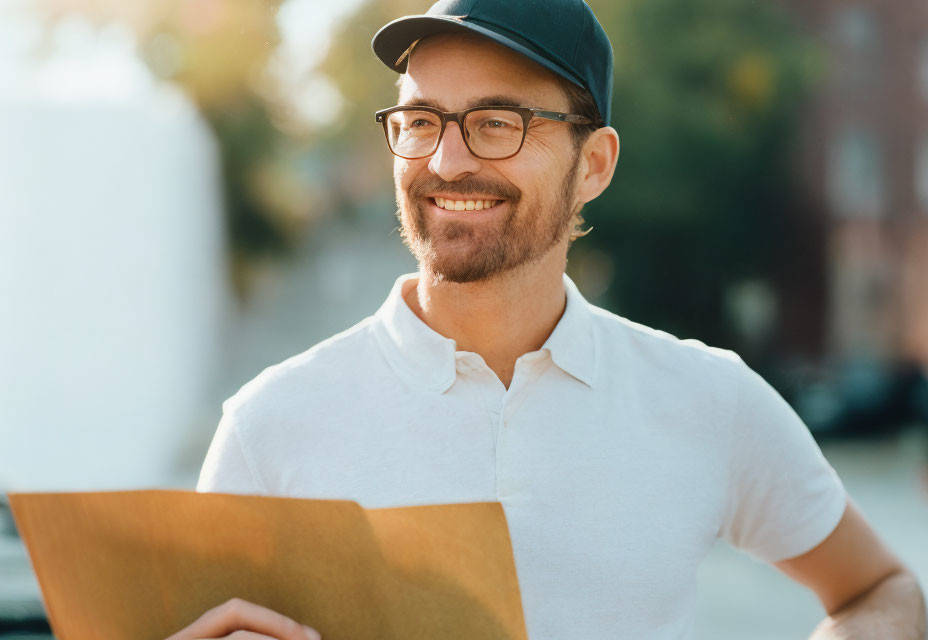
[(244, 635), (241, 615)]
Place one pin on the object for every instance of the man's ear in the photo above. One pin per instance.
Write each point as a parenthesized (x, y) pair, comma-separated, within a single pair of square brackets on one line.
[(598, 156)]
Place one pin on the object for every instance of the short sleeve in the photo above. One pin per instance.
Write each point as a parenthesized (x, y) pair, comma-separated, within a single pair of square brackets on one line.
[(783, 497), (227, 468)]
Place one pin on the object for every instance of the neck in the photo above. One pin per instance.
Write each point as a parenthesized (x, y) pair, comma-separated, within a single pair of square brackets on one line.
[(501, 318)]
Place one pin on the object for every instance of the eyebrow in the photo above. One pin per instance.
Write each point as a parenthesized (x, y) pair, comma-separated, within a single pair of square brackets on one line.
[(498, 100)]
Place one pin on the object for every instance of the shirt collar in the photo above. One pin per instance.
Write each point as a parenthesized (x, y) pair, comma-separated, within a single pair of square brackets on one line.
[(572, 343), (415, 350), (428, 359)]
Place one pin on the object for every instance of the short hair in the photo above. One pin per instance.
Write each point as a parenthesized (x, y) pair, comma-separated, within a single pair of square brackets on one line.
[(580, 102)]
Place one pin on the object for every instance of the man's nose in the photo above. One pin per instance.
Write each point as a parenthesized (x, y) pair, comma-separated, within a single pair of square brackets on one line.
[(452, 160)]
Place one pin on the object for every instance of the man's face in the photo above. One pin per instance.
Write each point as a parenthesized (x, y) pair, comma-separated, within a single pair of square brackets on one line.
[(532, 192)]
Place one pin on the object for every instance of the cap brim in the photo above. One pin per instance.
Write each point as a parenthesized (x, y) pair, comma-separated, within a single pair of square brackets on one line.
[(393, 42)]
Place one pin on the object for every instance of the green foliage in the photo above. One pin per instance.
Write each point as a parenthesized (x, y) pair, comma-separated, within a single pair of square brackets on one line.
[(707, 94), (365, 84), (246, 138)]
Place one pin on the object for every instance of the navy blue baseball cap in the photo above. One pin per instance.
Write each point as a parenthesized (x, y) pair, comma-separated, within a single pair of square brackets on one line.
[(561, 35)]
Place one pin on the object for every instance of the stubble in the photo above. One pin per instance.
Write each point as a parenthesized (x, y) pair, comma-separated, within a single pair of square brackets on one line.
[(462, 252)]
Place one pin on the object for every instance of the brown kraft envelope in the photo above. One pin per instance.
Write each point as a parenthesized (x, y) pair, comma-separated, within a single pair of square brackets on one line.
[(141, 565)]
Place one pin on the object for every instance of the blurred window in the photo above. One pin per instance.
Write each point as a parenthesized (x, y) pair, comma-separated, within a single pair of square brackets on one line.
[(856, 50), (921, 173), (923, 68), (856, 28), (855, 174)]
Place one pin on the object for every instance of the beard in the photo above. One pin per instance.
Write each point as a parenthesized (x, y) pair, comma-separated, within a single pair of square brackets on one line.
[(462, 252)]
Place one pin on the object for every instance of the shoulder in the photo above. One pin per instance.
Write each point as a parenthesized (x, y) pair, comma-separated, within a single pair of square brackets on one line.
[(650, 349), (316, 372)]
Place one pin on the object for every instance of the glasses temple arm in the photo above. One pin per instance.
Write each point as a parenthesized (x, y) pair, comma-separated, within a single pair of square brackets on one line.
[(562, 117)]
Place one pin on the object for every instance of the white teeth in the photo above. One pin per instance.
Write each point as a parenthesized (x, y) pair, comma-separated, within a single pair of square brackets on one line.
[(465, 205)]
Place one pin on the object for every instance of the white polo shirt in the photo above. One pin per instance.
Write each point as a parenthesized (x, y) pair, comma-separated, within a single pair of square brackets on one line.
[(619, 454)]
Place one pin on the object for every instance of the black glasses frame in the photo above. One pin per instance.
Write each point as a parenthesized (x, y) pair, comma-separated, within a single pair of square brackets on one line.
[(527, 113)]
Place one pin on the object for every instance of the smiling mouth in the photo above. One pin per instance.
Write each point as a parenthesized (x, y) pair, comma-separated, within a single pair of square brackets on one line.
[(464, 205)]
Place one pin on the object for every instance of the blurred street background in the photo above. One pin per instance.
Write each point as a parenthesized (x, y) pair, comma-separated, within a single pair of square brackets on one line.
[(192, 190)]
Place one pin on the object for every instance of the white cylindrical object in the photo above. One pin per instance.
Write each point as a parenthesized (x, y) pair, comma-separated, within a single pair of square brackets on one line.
[(112, 288)]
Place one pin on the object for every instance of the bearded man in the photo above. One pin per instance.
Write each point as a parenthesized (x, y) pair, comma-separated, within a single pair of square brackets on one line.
[(619, 453)]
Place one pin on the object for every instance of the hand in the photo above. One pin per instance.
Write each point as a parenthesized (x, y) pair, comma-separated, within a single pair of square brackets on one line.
[(238, 619)]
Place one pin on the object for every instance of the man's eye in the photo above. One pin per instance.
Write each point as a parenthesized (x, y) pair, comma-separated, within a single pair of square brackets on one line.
[(495, 124), (418, 123)]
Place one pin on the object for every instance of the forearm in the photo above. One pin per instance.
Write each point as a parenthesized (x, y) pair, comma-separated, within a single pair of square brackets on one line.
[(893, 610)]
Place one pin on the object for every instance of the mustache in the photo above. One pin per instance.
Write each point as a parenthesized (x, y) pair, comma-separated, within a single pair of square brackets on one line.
[(470, 185)]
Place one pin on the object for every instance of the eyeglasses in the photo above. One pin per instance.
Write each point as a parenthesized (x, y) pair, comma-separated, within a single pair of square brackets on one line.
[(490, 133)]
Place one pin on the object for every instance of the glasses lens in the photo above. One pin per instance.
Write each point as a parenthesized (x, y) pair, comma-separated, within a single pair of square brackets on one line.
[(413, 134), (494, 133)]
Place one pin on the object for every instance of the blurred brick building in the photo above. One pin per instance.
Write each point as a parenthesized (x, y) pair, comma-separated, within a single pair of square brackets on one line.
[(864, 166)]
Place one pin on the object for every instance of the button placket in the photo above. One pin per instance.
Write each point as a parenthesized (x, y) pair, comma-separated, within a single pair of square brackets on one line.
[(481, 377), (518, 390), (507, 467)]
